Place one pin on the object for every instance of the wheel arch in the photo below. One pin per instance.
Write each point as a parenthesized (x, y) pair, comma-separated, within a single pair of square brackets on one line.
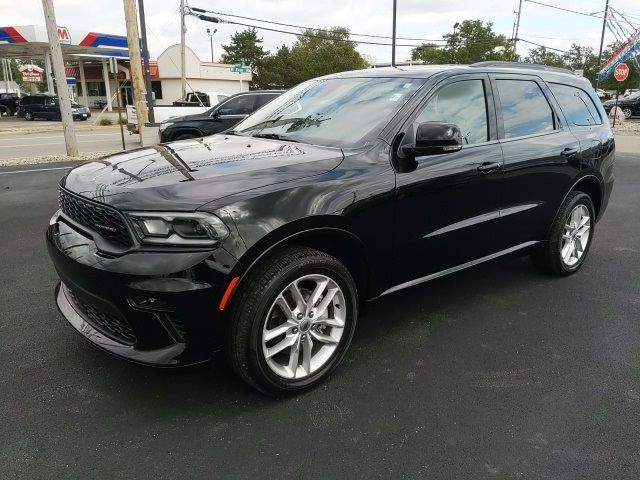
[(592, 186), (182, 131), (335, 240)]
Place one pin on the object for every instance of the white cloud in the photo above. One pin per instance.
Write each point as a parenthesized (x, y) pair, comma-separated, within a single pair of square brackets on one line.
[(416, 18)]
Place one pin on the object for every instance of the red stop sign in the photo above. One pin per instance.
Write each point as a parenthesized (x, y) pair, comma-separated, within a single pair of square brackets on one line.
[(622, 72)]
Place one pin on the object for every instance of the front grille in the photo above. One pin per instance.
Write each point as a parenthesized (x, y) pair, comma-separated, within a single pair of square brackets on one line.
[(102, 219), (112, 326)]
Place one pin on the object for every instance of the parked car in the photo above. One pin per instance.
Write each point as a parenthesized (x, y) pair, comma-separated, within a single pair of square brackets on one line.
[(9, 103), (195, 103), (630, 105), (602, 95), (48, 107), (201, 99), (269, 239), (217, 119)]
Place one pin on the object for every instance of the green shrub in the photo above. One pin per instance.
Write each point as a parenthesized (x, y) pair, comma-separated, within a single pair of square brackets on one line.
[(105, 121)]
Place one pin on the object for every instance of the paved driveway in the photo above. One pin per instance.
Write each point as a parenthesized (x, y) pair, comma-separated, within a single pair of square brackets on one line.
[(495, 372)]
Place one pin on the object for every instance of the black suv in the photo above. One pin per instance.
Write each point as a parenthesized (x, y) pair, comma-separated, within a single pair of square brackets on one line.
[(629, 105), (9, 103), (221, 117), (269, 239), (48, 107)]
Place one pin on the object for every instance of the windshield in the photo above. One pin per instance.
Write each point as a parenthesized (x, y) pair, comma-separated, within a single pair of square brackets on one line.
[(337, 112)]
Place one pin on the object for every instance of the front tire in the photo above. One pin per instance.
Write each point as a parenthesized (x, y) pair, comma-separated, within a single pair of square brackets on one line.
[(627, 112), (28, 116), (292, 321), (569, 238)]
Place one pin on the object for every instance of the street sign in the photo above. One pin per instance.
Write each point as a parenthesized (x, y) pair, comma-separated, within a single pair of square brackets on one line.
[(622, 72), (240, 68)]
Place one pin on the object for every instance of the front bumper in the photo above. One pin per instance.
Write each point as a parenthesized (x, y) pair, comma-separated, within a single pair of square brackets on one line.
[(158, 309)]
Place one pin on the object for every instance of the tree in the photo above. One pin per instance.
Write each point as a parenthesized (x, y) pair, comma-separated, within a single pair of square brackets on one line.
[(245, 47), (543, 56), (314, 53), (474, 41)]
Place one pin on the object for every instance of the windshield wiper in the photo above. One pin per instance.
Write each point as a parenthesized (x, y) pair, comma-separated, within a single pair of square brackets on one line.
[(276, 136), (235, 132)]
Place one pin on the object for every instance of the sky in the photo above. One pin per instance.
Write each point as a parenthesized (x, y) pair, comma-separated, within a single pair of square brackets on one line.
[(416, 18)]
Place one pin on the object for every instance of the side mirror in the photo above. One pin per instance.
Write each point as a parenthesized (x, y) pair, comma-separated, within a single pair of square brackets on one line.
[(433, 138)]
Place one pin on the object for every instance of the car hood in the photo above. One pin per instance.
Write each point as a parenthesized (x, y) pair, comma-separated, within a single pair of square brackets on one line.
[(189, 118), (187, 174)]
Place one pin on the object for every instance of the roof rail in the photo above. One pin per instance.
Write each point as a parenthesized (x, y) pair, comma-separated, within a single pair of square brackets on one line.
[(532, 66)]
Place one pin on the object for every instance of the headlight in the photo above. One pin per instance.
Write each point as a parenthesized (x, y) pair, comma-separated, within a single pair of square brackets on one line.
[(74, 110), (165, 125), (181, 229)]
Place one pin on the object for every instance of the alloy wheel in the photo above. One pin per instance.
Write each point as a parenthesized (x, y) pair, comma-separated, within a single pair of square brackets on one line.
[(304, 326), (575, 237), (627, 112)]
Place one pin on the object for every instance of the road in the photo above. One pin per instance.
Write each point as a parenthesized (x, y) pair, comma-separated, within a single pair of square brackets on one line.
[(52, 143), (494, 372)]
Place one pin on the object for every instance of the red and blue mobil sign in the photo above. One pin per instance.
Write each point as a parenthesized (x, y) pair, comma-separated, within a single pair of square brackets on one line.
[(94, 39), (38, 34), (10, 35)]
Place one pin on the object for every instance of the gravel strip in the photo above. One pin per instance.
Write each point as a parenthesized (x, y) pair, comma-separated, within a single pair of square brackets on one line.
[(53, 158)]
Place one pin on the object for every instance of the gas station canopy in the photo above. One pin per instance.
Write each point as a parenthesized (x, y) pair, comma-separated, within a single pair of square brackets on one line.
[(31, 41)]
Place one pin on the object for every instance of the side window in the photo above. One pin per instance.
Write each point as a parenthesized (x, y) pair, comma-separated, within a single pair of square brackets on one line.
[(525, 109), (26, 101), (463, 103), (576, 104), (242, 105), (263, 99)]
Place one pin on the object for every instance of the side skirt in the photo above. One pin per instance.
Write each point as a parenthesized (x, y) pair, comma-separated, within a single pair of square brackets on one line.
[(457, 268)]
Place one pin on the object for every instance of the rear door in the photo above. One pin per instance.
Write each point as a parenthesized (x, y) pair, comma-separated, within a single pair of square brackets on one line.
[(583, 118), (541, 156)]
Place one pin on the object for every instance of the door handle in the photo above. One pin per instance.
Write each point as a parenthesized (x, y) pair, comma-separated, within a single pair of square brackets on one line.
[(569, 152), (489, 166)]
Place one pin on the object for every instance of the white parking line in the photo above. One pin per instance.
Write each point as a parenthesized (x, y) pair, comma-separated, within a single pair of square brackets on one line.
[(28, 135), (37, 170)]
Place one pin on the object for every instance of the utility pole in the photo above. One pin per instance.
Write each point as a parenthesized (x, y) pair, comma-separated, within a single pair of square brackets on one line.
[(393, 35), (183, 31), (133, 42), (211, 34), (145, 60), (604, 26), (61, 79), (516, 30)]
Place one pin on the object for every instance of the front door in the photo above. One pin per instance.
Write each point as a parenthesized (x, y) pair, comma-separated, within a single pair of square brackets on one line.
[(230, 113), (447, 204)]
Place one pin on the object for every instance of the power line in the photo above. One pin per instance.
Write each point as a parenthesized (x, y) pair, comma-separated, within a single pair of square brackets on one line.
[(320, 29), (195, 12), (543, 46), (585, 14)]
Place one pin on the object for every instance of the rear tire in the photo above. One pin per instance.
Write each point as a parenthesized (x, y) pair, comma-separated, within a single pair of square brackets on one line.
[(291, 321), (627, 112), (569, 239)]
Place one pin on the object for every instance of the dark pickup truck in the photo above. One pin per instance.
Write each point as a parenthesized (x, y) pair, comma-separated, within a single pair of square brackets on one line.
[(9, 103)]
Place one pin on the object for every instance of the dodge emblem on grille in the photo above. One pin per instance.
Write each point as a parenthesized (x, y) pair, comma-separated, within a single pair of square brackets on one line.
[(99, 226)]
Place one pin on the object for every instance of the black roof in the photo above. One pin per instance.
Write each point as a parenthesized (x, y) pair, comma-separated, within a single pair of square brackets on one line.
[(426, 71)]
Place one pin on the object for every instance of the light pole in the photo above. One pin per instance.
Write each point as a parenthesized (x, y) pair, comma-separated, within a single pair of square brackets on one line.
[(211, 34), (393, 35), (454, 39)]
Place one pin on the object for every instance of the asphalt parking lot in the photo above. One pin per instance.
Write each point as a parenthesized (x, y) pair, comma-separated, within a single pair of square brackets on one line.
[(494, 372)]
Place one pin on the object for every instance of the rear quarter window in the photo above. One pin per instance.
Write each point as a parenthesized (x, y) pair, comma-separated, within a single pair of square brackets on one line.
[(576, 104)]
